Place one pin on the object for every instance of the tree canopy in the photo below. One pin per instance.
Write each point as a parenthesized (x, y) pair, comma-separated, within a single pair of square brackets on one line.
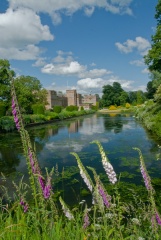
[(4, 80), (28, 89), (153, 58), (114, 95)]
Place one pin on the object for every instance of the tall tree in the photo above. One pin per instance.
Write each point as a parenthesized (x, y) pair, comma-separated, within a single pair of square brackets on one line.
[(153, 58), (4, 80), (29, 91), (111, 94)]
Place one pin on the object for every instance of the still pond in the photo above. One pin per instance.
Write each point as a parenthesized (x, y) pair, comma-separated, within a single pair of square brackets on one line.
[(118, 134)]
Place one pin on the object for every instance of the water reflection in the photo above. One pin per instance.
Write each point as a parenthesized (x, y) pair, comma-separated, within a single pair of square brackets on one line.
[(54, 142)]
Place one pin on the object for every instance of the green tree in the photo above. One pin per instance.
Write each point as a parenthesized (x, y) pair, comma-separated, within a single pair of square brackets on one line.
[(150, 90), (29, 92), (124, 98), (153, 58), (140, 97), (133, 97), (5, 88), (111, 94)]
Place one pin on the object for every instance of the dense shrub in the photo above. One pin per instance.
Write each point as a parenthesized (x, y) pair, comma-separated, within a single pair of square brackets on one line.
[(38, 109), (112, 107), (2, 109), (7, 123), (57, 109), (127, 105), (94, 107), (82, 108), (71, 108)]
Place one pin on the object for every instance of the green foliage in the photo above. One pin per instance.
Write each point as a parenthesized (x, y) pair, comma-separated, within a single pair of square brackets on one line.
[(2, 109), (38, 108), (112, 107), (7, 123), (29, 92), (57, 109), (150, 114), (153, 58), (5, 87), (82, 108), (127, 105), (113, 95), (71, 108)]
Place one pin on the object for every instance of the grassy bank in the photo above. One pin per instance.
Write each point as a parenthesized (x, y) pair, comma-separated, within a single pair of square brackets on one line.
[(150, 115), (7, 122)]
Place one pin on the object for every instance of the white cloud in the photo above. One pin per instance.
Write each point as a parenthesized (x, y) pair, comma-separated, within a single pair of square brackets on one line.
[(68, 7), (97, 84), (89, 11), (39, 63), (71, 68), (18, 40), (141, 44), (145, 70), (22, 27), (137, 63), (64, 64), (90, 83), (30, 52), (93, 73)]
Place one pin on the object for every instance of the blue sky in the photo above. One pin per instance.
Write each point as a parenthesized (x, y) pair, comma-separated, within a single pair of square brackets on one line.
[(78, 44)]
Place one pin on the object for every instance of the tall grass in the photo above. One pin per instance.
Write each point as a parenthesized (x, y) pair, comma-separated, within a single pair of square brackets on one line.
[(106, 217)]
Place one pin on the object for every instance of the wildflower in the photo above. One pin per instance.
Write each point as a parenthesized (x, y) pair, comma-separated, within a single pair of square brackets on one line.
[(85, 178), (15, 114), (86, 220), (158, 218), (25, 205), (104, 196), (106, 164), (135, 221), (32, 161), (146, 178), (144, 172), (84, 173), (66, 210)]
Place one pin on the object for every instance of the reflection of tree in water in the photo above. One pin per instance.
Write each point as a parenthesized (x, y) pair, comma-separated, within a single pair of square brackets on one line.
[(9, 159), (113, 123), (40, 135)]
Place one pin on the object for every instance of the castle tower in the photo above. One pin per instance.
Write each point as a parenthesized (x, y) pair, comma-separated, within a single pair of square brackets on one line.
[(72, 97)]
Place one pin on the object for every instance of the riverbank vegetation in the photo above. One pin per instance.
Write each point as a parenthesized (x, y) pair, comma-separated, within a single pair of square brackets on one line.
[(150, 112), (46, 216)]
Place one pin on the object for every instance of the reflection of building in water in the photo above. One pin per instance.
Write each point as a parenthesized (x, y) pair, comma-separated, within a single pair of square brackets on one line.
[(70, 98), (74, 126), (52, 132)]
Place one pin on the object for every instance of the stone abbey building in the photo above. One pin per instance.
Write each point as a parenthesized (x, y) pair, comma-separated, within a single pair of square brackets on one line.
[(70, 98)]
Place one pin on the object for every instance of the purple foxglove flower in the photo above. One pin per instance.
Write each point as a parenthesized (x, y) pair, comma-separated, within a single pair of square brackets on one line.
[(46, 191), (14, 111), (105, 198), (86, 220), (42, 183), (32, 162), (158, 218), (146, 178), (24, 205), (25, 208)]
